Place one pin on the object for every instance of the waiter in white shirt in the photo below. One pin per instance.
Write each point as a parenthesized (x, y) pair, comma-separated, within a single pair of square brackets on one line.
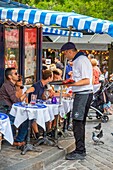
[(83, 93)]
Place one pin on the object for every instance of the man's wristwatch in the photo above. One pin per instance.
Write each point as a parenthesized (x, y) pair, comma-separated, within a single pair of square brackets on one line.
[(25, 93)]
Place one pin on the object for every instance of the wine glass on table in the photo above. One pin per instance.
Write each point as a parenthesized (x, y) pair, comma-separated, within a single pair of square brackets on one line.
[(33, 99), (46, 95)]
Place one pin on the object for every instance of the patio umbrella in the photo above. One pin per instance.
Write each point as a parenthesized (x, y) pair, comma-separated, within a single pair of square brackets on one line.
[(57, 31), (63, 19), (32, 17)]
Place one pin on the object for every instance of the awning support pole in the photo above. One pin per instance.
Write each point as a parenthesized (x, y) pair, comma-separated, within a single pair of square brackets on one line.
[(65, 63), (70, 29), (39, 54)]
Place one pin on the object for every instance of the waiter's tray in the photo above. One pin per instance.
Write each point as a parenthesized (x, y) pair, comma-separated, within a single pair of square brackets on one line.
[(62, 82)]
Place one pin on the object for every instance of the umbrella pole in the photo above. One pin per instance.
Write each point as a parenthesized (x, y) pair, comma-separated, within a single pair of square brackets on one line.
[(69, 37), (57, 126), (65, 63)]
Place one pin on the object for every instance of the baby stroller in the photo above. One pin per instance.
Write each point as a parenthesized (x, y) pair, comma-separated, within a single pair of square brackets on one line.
[(102, 96)]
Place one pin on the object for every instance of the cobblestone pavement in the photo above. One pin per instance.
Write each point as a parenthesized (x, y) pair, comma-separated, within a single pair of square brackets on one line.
[(99, 157), (11, 158)]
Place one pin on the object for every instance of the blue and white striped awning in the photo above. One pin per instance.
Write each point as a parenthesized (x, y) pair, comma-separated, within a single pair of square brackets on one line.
[(55, 31), (62, 19)]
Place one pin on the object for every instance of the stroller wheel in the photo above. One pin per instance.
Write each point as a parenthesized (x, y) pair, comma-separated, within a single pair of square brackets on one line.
[(104, 119), (98, 116)]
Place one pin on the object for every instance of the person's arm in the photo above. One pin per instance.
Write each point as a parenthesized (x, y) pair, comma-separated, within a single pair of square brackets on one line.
[(85, 81), (94, 76), (57, 94), (10, 92), (70, 73), (93, 80), (30, 90)]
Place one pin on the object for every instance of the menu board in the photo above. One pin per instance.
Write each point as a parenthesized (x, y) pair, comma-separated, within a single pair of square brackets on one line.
[(30, 63)]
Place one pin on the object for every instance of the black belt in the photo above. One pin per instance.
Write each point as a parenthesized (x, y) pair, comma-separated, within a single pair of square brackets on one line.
[(85, 91)]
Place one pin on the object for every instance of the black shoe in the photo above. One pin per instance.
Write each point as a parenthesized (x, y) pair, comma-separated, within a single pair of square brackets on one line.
[(70, 128), (74, 155), (51, 134), (40, 140), (37, 135)]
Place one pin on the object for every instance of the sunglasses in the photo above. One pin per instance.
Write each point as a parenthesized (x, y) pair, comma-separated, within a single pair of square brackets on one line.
[(15, 73)]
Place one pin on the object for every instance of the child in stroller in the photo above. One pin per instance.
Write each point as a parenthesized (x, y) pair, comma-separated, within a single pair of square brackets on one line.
[(101, 102)]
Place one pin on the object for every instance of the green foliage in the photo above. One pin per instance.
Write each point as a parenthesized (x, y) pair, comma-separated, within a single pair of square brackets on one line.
[(96, 8)]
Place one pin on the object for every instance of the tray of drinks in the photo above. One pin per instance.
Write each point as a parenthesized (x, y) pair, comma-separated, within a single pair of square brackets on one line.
[(62, 82)]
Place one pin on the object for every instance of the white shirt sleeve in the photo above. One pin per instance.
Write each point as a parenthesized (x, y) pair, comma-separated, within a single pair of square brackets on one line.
[(24, 89)]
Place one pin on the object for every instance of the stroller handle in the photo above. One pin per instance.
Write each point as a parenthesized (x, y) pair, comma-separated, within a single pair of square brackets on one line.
[(107, 86)]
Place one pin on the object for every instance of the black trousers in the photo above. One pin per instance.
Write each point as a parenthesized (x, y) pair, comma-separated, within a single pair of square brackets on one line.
[(79, 128)]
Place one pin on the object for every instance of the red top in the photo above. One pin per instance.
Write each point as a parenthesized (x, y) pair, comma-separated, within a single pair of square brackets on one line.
[(96, 74)]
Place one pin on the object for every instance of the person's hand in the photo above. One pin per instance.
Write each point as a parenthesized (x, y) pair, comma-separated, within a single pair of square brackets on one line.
[(30, 90), (69, 94), (111, 77), (68, 81), (68, 85), (70, 73), (51, 93)]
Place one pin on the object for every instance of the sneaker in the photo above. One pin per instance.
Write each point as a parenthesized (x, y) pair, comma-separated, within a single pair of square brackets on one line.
[(74, 155)]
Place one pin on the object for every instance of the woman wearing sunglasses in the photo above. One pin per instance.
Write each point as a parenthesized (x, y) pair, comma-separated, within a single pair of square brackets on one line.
[(20, 88)]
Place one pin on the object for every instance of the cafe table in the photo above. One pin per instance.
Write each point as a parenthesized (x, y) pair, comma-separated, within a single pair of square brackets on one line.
[(5, 129), (22, 112)]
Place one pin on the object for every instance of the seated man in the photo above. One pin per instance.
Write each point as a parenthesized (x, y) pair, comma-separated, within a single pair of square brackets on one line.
[(39, 88), (41, 85), (8, 97)]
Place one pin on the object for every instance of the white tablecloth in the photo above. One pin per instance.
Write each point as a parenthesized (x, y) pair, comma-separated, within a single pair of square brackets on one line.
[(5, 129), (67, 104), (22, 113), (55, 109), (41, 115), (63, 108)]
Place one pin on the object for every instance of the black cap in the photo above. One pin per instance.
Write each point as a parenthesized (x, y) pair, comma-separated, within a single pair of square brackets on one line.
[(68, 46)]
